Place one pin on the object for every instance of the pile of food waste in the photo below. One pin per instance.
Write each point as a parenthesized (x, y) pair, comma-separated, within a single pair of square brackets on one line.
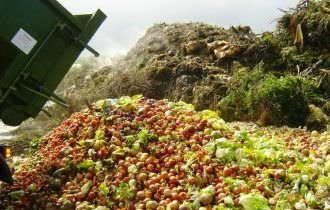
[(139, 153)]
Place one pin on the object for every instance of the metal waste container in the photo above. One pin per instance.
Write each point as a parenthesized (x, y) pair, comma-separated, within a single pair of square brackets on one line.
[(39, 42)]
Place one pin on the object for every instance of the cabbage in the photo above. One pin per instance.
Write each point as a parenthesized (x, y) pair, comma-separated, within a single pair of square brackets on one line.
[(127, 103), (283, 204), (123, 192), (99, 134), (32, 187), (103, 104), (98, 166), (219, 124), (254, 202), (303, 190), (91, 152), (323, 181), (225, 155), (216, 134), (99, 144), (300, 205), (87, 143), (85, 206), (102, 208), (311, 199), (225, 143), (130, 140), (220, 208), (144, 136), (16, 195), (241, 155), (209, 190), (136, 146), (229, 201), (210, 147), (132, 169), (241, 136), (208, 114), (183, 106)]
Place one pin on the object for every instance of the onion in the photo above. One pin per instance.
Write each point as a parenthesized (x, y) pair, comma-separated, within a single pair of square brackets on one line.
[(151, 205), (206, 198)]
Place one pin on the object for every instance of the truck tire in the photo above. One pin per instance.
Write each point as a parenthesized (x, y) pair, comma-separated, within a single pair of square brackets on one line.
[(5, 174)]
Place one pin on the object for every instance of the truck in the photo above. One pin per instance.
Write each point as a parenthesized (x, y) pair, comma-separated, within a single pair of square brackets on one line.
[(39, 42), (5, 154)]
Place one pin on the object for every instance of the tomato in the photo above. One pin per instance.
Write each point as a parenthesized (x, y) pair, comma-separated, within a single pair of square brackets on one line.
[(209, 169), (228, 171), (141, 195), (156, 174)]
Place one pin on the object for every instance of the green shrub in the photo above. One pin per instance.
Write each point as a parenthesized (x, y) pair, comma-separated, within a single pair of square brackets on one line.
[(280, 101), (269, 100), (234, 106), (292, 57)]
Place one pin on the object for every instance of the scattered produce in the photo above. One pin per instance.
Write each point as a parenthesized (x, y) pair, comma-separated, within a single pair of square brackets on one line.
[(139, 153)]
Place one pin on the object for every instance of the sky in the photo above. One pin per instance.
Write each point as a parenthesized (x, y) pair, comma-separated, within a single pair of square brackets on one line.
[(129, 19)]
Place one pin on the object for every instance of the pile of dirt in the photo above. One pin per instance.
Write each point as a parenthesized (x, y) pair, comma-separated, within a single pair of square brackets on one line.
[(187, 61), (198, 63)]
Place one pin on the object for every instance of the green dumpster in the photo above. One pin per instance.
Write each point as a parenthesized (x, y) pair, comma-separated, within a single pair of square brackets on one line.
[(39, 42)]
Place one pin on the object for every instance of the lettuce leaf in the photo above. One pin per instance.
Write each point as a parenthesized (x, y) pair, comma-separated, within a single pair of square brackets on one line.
[(210, 147), (208, 114), (86, 187), (16, 195), (254, 201), (86, 164)]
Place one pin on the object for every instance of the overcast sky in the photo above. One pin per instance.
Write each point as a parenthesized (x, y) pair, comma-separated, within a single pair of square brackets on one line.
[(128, 19)]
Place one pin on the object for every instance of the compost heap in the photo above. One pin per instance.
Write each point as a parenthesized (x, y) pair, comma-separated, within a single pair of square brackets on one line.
[(139, 153)]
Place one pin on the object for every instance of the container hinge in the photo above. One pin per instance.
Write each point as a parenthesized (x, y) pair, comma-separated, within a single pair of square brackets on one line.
[(70, 33)]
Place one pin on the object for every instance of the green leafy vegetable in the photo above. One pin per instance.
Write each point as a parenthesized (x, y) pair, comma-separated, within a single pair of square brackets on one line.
[(254, 202), (130, 140), (123, 192), (104, 189), (16, 195), (86, 187), (324, 180), (210, 147), (34, 144), (241, 136), (208, 114), (86, 164), (99, 134)]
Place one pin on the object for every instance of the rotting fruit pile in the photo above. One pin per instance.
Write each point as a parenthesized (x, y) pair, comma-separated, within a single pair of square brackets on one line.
[(139, 153)]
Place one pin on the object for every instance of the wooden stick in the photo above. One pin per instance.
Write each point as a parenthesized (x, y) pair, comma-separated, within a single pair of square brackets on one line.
[(325, 71)]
